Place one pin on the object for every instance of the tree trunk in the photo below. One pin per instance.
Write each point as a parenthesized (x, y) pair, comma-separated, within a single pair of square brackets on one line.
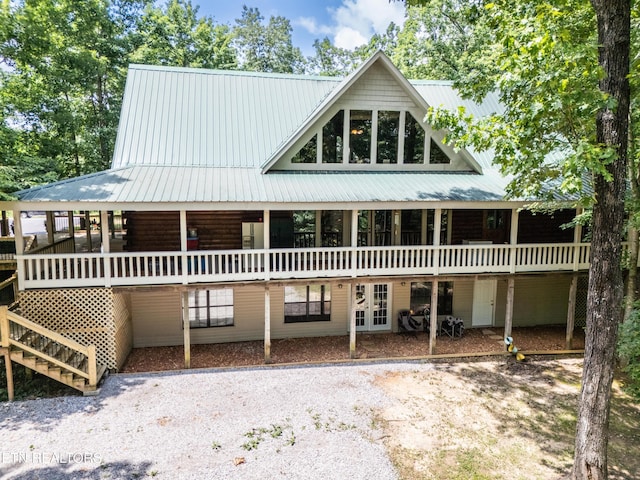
[(604, 300), (632, 230)]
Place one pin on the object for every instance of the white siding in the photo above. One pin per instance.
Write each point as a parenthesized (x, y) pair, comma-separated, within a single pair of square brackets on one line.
[(377, 87), (463, 300)]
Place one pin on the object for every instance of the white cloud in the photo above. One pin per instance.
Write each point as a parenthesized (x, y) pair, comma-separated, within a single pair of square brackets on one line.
[(355, 21), (310, 25)]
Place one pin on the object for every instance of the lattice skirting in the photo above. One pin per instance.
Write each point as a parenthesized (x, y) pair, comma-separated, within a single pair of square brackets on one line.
[(97, 316)]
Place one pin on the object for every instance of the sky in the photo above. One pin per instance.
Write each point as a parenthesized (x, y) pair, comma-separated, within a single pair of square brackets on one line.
[(347, 23)]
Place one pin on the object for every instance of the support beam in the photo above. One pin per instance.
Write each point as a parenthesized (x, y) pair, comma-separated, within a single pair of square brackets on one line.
[(186, 330), (72, 228), (513, 239), (87, 225), (433, 318), (437, 226), (267, 325), (571, 312), (5, 350), (51, 227), (17, 229), (318, 231), (508, 316), (352, 325), (104, 231), (183, 230)]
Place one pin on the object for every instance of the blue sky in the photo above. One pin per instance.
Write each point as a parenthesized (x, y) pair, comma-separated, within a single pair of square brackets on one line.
[(347, 23)]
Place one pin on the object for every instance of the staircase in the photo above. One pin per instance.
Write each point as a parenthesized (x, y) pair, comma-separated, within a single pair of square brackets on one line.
[(49, 353)]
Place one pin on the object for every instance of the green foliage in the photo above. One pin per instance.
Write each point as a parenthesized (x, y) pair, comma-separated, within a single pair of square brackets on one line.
[(629, 350), (266, 48), (176, 36), (548, 83)]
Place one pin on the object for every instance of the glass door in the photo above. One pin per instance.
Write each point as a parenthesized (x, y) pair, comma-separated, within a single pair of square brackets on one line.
[(372, 307)]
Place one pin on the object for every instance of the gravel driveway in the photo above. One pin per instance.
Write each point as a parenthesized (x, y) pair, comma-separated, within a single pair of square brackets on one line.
[(313, 422)]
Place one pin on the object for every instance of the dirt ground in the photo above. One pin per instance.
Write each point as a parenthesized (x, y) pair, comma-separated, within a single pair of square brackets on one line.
[(495, 419), (323, 349)]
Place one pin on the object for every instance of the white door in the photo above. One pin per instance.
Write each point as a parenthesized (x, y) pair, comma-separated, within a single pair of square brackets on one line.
[(484, 298), (372, 307)]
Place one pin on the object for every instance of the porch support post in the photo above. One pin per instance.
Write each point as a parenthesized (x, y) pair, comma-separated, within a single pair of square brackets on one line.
[(571, 311), (5, 349), (51, 227), (5, 224), (87, 225), (183, 246), (577, 238), (423, 227), (17, 232), (183, 230), (508, 316), (513, 239), (433, 317), (266, 218), (106, 245), (104, 231), (437, 226), (267, 325), (346, 227), (354, 245), (186, 330), (352, 324), (318, 234), (72, 228), (396, 220)]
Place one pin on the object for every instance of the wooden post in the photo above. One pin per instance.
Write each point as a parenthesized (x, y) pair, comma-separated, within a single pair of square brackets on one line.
[(513, 239), (92, 367), (51, 227), (433, 319), (352, 326), (5, 224), (508, 316), (87, 224), (267, 325), (571, 312), (4, 349), (106, 246), (186, 329), (72, 229)]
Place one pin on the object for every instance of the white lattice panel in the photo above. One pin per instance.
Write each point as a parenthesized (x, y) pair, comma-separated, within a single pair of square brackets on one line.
[(86, 315)]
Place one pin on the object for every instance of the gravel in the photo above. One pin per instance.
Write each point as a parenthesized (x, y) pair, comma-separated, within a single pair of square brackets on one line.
[(312, 422)]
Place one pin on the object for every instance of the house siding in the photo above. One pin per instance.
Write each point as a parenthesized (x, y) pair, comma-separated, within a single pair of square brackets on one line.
[(376, 84)]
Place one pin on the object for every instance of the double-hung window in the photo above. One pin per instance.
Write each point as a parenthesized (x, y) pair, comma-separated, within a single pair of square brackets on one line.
[(211, 308)]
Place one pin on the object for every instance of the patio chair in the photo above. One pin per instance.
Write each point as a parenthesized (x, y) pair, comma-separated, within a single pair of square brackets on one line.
[(452, 326), (407, 324), (426, 322)]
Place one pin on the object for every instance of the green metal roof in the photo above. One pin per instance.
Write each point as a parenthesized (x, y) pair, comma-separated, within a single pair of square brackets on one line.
[(197, 135)]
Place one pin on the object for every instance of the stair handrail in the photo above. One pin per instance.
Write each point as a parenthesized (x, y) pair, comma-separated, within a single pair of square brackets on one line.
[(12, 282), (6, 317)]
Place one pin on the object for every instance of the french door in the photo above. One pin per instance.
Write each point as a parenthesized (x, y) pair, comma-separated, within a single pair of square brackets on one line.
[(373, 309)]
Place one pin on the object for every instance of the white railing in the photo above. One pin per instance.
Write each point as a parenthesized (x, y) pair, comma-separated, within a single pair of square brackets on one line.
[(153, 268)]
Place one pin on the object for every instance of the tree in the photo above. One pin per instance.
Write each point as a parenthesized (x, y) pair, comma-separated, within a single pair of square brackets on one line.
[(266, 48), (566, 97), (64, 77), (176, 36), (331, 60)]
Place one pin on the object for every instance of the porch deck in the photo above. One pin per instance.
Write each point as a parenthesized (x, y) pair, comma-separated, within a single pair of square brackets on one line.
[(336, 348)]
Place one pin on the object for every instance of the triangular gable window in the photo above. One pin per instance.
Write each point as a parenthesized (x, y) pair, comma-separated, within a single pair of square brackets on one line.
[(436, 155), (371, 137), (413, 140), (308, 153), (332, 141)]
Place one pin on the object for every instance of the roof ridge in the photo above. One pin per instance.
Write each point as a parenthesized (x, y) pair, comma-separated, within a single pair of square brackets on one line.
[(242, 73)]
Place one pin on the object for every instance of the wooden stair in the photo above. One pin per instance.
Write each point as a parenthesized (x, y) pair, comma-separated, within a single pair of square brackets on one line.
[(49, 353)]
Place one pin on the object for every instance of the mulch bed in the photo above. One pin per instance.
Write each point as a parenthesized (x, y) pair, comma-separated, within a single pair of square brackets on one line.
[(336, 348)]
